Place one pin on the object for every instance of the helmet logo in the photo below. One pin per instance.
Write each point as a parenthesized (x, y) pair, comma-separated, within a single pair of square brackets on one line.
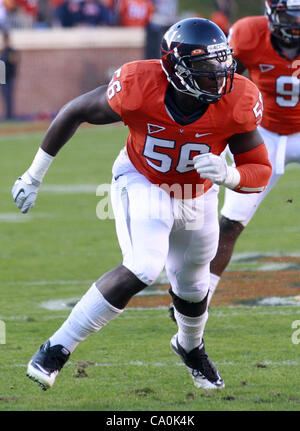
[(218, 46), (198, 51), (170, 37)]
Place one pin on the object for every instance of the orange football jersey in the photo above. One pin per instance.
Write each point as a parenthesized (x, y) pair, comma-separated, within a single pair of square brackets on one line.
[(163, 150), (275, 76)]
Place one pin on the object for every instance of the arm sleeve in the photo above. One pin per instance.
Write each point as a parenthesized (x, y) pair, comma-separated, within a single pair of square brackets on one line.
[(255, 170)]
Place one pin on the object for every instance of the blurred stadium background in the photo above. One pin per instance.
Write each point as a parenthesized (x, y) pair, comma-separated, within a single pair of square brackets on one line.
[(68, 47)]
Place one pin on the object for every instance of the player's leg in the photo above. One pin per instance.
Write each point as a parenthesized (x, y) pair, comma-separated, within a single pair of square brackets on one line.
[(238, 208), (187, 266), (230, 230), (144, 243)]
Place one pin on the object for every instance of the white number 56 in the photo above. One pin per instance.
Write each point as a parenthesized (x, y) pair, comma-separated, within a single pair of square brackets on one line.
[(258, 109), (114, 86)]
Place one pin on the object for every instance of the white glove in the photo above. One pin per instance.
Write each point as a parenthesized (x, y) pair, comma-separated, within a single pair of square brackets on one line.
[(25, 191), (212, 167)]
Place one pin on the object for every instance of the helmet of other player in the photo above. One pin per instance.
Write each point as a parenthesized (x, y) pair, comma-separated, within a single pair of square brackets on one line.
[(284, 20), (197, 59)]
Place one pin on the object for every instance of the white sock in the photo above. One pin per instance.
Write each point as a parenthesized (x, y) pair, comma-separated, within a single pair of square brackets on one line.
[(89, 315), (214, 281), (190, 330)]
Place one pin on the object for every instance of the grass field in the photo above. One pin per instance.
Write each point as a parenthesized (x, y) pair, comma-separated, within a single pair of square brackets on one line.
[(59, 248), (239, 7)]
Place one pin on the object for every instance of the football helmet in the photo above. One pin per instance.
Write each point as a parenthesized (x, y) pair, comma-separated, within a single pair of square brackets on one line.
[(197, 59), (284, 20)]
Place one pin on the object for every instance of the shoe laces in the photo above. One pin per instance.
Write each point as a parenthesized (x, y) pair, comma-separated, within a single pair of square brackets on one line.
[(55, 359), (207, 367)]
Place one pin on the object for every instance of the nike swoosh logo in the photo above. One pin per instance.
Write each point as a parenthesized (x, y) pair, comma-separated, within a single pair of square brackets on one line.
[(198, 135), (36, 365)]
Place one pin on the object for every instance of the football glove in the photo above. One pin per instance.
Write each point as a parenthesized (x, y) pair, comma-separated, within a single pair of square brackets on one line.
[(214, 168), (25, 191)]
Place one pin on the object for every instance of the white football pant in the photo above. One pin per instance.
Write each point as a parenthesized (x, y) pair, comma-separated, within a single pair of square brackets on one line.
[(156, 231)]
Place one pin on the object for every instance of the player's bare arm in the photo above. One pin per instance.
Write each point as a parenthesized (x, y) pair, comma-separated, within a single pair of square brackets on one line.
[(91, 108), (243, 142)]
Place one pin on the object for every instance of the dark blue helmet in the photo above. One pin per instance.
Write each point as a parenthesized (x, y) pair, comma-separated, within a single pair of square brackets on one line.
[(284, 20), (197, 59)]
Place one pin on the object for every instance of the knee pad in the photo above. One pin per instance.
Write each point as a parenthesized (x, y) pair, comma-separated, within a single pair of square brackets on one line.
[(191, 309)]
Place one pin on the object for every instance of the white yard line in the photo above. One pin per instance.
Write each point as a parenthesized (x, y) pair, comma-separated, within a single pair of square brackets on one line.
[(17, 217), (169, 364), (20, 134), (14, 218), (65, 189), (68, 189), (214, 313), (51, 282)]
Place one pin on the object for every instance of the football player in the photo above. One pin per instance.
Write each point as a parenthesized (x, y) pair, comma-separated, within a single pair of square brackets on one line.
[(181, 113), (269, 47)]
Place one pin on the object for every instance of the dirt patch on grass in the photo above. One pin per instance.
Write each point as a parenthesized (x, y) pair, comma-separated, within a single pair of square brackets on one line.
[(34, 126), (23, 127), (237, 286)]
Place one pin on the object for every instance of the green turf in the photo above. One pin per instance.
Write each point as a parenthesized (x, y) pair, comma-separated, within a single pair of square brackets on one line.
[(205, 8), (62, 247)]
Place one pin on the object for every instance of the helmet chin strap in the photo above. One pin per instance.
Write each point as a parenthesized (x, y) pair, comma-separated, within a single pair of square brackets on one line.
[(290, 43), (285, 40), (197, 92), (207, 97), (222, 86), (288, 51), (188, 90)]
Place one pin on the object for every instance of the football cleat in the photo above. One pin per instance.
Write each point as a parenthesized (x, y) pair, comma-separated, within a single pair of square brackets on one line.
[(46, 364), (200, 367)]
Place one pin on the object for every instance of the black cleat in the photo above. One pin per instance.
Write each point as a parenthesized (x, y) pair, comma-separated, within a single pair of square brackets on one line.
[(200, 367), (46, 364)]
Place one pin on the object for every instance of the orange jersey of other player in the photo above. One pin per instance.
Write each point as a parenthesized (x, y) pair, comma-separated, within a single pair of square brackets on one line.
[(135, 13), (163, 150), (275, 76)]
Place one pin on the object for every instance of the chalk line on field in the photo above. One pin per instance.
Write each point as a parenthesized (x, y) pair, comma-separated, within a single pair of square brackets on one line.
[(128, 313), (170, 364), (53, 282), (68, 189), (14, 218), (17, 217), (292, 166)]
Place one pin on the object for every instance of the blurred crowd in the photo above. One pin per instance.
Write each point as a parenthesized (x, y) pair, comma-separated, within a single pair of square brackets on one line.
[(72, 13), (155, 16)]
